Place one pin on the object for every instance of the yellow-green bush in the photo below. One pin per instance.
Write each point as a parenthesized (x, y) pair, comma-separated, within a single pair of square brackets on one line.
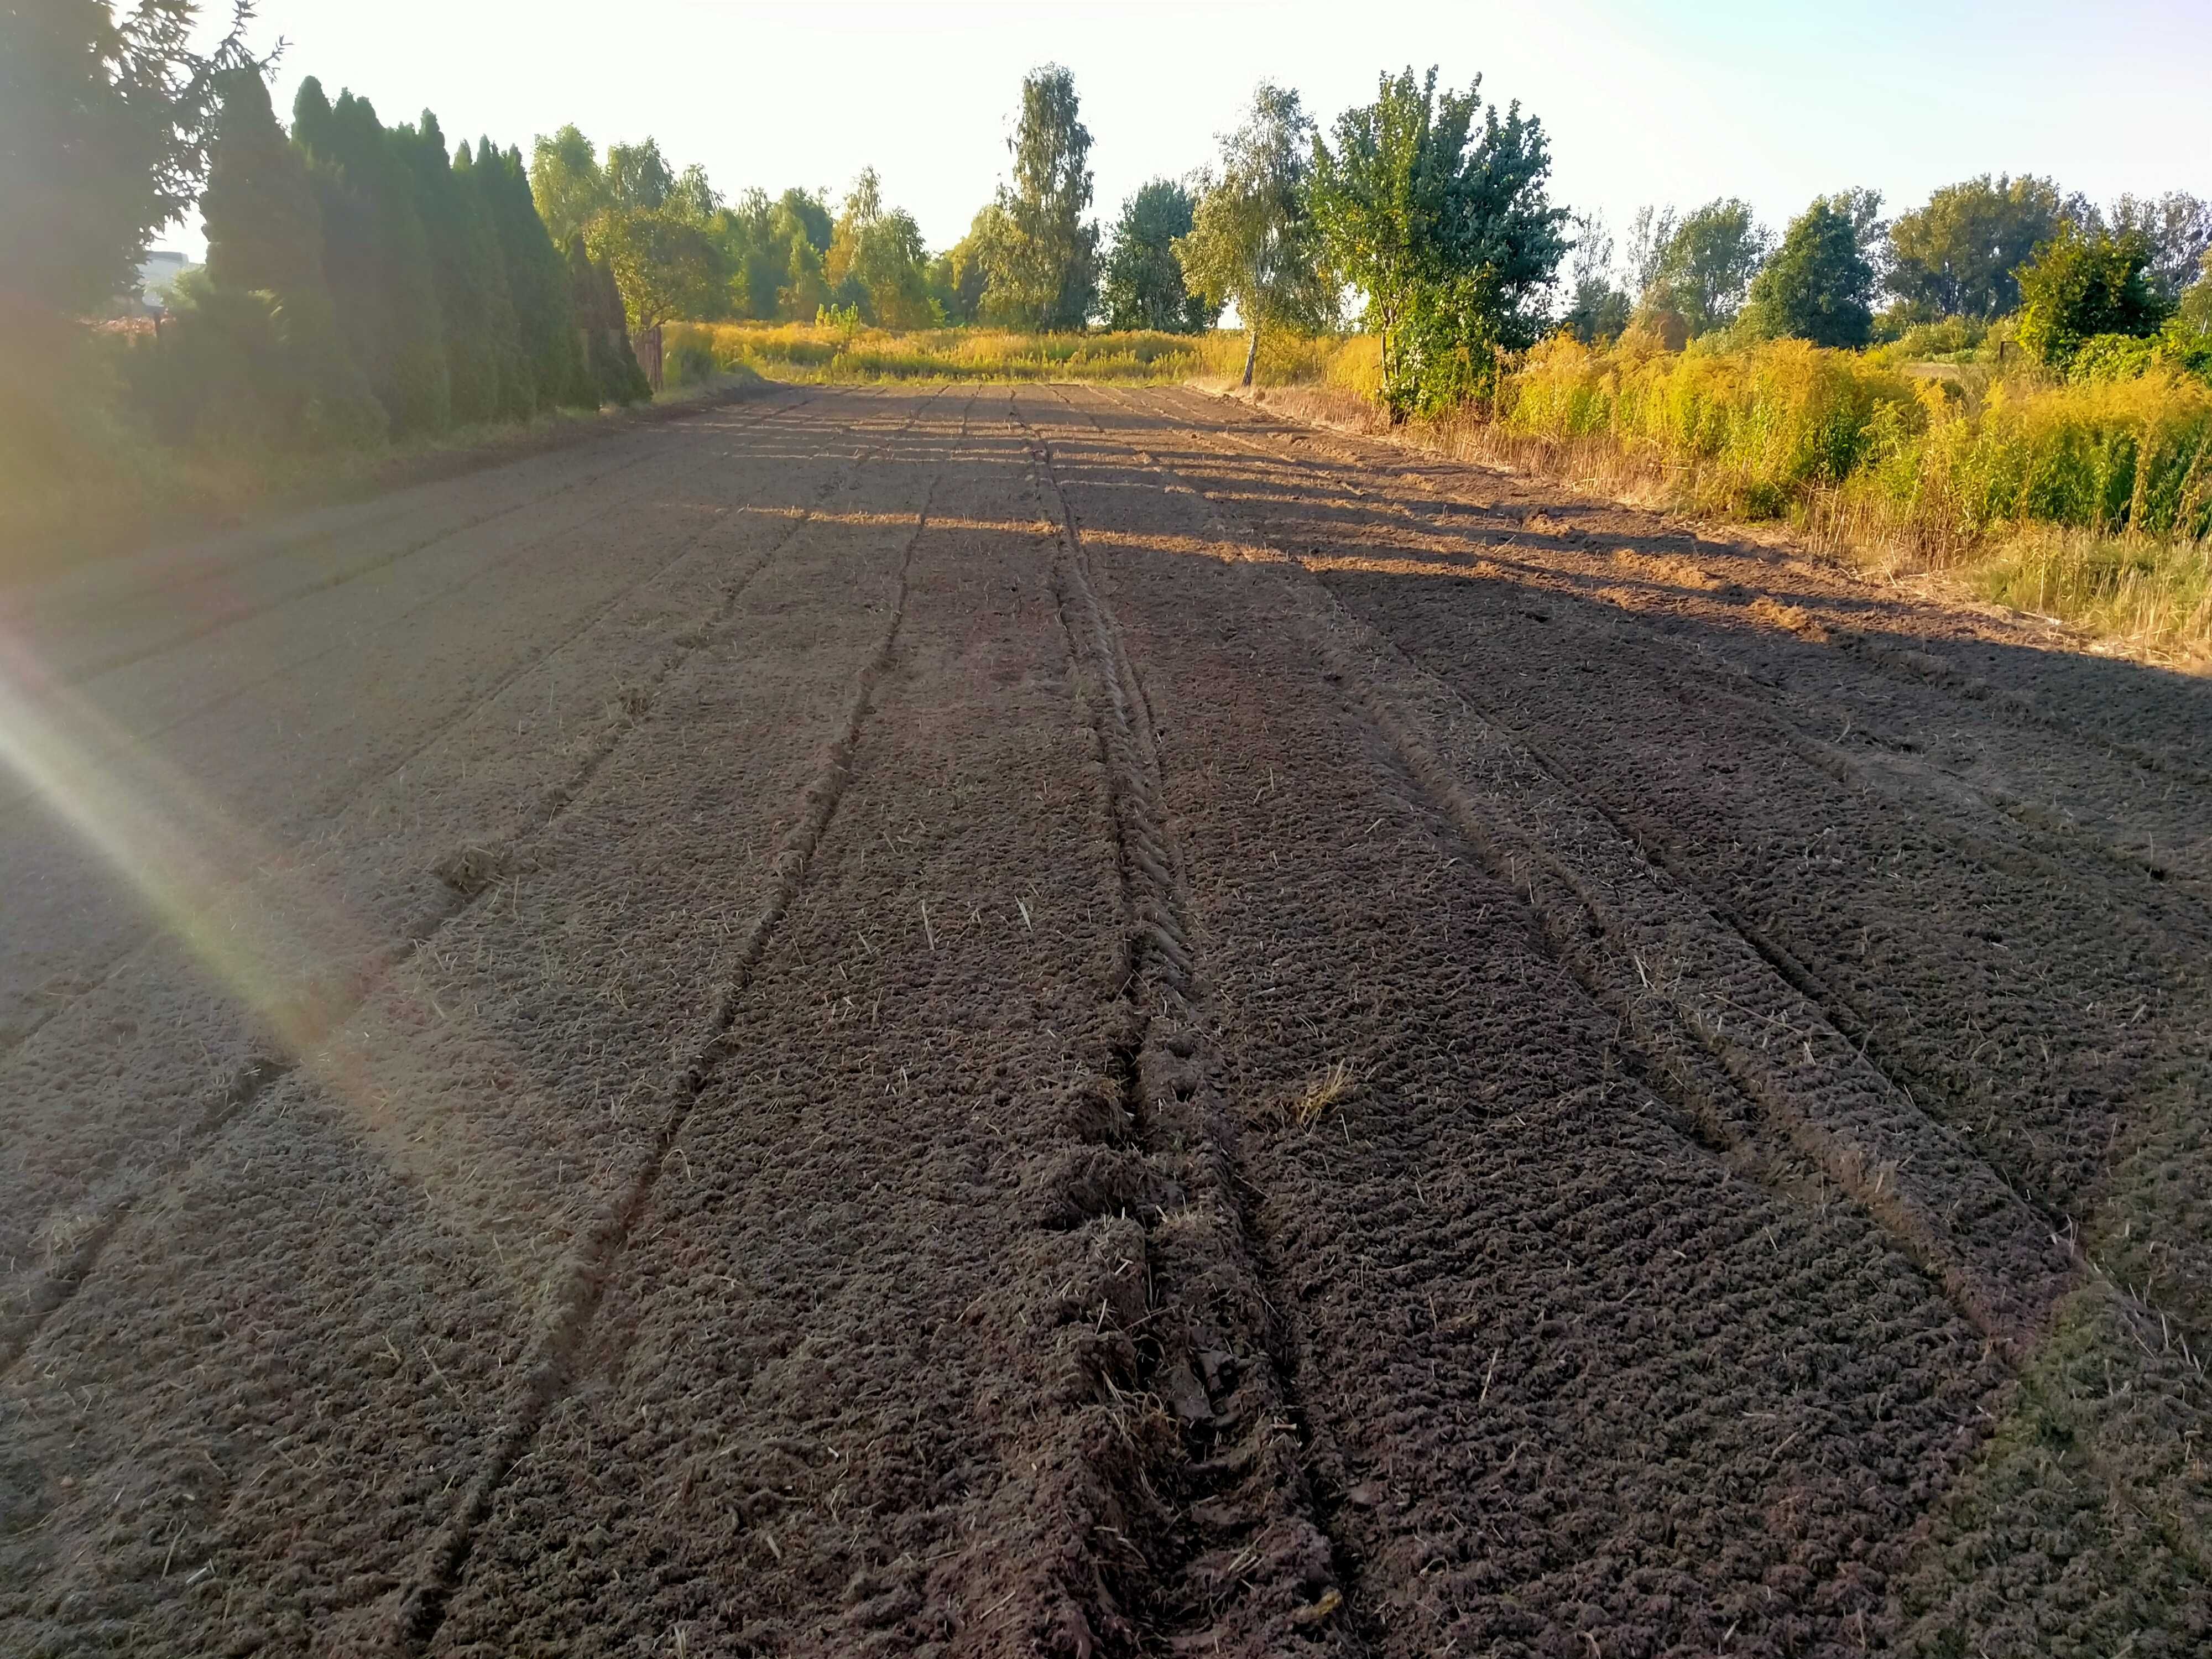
[(1766, 429)]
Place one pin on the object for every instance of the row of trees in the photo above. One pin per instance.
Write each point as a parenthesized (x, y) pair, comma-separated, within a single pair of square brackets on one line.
[(363, 279), (1431, 204), (1976, 250)]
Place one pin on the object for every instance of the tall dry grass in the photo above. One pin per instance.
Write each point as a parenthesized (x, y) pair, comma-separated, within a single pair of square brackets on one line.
[(814, 352), (2091, 502)]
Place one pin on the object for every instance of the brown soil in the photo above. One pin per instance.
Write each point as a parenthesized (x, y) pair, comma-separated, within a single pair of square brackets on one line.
[(1055, 1021)]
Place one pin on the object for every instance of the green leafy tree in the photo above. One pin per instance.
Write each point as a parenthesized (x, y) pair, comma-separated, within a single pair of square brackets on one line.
[(105, 123), (2079, 285), (638, 176), (264, 236), (664, 268), (567, 183), (1597, 307), (376, 256), (1043, 264), (1959, 255), (692, 197), (1253, 240), (1143, 285), (2177, 227), (1819, 286), (877, 261), (1449, 235), (961, 277), (1701, 271)]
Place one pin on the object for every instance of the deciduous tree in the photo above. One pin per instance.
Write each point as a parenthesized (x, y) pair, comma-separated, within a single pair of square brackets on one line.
[(1819, 286), (1043, 269), (1959, 254), (1144, 286), (1254, 241), (2081, 284), (1703, 268), (1448, 234)]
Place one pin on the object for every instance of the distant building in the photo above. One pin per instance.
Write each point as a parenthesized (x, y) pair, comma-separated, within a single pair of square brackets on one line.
[(157, 272)]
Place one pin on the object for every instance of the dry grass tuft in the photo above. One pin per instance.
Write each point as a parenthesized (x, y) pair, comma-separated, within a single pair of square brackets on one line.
[(1331, 1088), (1795, 619)]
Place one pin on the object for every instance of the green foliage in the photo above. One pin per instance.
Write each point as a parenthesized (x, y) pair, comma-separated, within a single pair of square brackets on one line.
[(1701, 268), (1767, 427), (1253, 240), (1144, 286), (566, 183), (664, 267), (263, 298), (611, 370), (1819, 286), (961, 276), (1597, 307), (1450, 237), (470, 270), (376, 256), (877, 263), (1042, 263), (2177, 228), (552, 355), (105, 123), (2081, 285), (638, 178), (1959, 255)]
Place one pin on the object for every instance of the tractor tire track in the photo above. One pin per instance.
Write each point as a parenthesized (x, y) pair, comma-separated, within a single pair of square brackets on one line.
[(2004, 1268), (1241, 1563)]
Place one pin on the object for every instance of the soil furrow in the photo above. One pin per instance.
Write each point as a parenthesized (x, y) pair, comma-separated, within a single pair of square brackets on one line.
[(1434, 478), (572, 1299), (102, 971), (2035, 1087), (1460, 1190), (1093, 1030), (469, 874)]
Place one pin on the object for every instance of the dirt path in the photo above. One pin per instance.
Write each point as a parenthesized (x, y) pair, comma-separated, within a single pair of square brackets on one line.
[(1060, 1021)]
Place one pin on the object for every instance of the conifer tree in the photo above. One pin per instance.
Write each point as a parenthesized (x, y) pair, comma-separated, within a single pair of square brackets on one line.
[(615, 377), (465, 263), (538, 284), (376, 257), (518, 393), (265, 237)]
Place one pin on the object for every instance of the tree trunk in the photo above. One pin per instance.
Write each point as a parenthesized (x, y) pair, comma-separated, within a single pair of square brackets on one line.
[(1251, 356)]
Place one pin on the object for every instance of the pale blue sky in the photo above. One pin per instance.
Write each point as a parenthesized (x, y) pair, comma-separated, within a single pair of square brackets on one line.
[(1661, 103)]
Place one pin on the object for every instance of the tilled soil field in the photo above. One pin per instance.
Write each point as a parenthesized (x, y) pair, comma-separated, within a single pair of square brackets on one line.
[(1062, 1021)]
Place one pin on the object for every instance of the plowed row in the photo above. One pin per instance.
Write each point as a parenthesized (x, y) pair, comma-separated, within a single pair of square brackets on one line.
[(1060, 1021)]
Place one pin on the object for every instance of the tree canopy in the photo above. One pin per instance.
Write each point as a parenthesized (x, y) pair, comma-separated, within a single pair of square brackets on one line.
[(1959, 254), (1699, 268), (1042, 263), (1449, 235), (1819, 285), (1144, 285), (2081, 284), (1253, 240)]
